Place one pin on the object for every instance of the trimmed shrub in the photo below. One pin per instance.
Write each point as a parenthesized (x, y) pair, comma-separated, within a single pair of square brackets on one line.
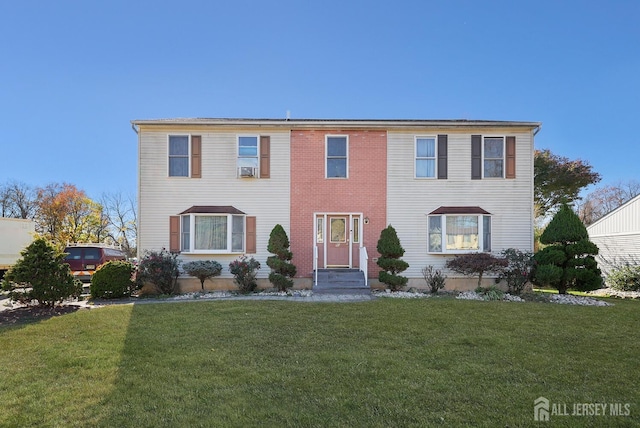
[(518, 271), (41, 275), (390, 259), (112, 280), (625, 278), (282, 270), (434, 278), (473, 264), (159, 268), (202, 269), (567, 261), (244, 271)]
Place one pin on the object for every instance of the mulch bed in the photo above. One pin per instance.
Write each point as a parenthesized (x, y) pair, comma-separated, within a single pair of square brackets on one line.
[(29, 314)]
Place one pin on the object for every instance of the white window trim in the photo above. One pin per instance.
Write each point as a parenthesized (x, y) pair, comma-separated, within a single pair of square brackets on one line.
[(228, 250), (188, 156), (415, 156), (443, 233), (238, 157), (326, 154), (504, 156)]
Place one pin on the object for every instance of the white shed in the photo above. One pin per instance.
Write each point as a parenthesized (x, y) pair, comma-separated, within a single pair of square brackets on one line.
[(617, 235)]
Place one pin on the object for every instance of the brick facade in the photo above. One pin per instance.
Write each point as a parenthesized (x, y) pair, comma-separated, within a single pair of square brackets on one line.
[(364, 191)]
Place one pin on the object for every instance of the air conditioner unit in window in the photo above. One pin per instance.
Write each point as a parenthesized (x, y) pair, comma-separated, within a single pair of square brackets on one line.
[(247, 171)]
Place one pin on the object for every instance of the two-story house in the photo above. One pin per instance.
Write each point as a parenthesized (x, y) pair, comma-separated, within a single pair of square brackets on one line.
[(213, 189)]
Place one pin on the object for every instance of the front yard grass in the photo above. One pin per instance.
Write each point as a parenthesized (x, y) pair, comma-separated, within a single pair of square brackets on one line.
[(388, 362)]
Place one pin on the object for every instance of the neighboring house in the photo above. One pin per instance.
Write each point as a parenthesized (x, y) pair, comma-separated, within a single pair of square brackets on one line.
[(215, 188), (617, 236)]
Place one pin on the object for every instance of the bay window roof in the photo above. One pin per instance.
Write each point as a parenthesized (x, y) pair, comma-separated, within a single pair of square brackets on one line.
[(212, 209), (458, 210)]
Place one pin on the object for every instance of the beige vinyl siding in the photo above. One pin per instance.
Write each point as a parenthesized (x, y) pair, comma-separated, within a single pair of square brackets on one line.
[(617, 236), (162, 196), (410, 200)]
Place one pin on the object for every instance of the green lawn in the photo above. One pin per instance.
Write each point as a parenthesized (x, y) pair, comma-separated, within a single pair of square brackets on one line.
[(386, 363)]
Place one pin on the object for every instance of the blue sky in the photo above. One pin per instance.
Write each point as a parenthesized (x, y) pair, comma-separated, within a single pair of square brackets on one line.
[(73, 74)]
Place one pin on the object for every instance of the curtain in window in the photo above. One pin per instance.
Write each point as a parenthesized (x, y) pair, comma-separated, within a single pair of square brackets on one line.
[(425, 157), (237, 234), (462, 232), (486, 231), (435, 234), (211, 233), (179, 156), (186, 233)]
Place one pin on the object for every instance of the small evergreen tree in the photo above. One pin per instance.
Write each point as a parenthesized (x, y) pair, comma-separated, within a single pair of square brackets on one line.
[(389, 261), (202, 269), (568, 259), (281, 267), (41, 275)]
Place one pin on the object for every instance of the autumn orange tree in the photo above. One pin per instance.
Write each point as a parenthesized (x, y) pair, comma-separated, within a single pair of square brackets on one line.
[(64, 214)]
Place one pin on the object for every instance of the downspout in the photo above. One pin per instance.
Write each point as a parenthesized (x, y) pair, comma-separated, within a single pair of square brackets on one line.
[(136, 130), (535, 131), (533, 208)]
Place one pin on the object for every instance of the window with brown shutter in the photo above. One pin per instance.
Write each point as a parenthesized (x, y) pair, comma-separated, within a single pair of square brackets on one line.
[(251, 235), (265, 157), (174, 234), (196, 156), (476, 157), (442, 156), (511, 157)]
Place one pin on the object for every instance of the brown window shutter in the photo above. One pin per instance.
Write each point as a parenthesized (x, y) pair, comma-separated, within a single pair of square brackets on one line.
[(196, 156), (442, 156), (251, 235), (476, 157), (265, 157), (174, 233), (511, 157)]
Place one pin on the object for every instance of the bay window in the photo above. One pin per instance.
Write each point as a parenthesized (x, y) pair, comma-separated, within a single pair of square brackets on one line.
[(459, 232), (219, 233)]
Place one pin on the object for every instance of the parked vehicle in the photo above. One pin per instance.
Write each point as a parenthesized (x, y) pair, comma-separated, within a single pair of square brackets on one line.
[(84, 259), (15, 235)]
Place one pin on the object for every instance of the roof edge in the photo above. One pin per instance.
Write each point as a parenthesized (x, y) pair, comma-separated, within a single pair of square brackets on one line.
[(332, 123)]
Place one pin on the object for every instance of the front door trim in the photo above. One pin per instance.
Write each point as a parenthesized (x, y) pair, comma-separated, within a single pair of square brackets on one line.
[(326, 238)]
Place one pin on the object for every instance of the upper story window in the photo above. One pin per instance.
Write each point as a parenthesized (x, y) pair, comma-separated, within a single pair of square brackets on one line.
[(493, 150), (451, 230), (248, 155), (178, 155), (337, 148), (425, 154), (493, 157)]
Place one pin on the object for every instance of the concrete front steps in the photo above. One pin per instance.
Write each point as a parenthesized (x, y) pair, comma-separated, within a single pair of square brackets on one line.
[(341, 281)]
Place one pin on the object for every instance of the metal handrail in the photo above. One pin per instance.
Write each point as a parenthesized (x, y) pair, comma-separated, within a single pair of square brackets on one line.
[(364, 263), (315, 265)]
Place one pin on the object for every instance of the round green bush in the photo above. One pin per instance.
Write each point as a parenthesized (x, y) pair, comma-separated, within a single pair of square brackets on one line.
[(112, 280), (625, 278)]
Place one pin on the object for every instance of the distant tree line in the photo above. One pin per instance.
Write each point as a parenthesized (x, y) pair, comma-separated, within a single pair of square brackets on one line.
[(63, 213)]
